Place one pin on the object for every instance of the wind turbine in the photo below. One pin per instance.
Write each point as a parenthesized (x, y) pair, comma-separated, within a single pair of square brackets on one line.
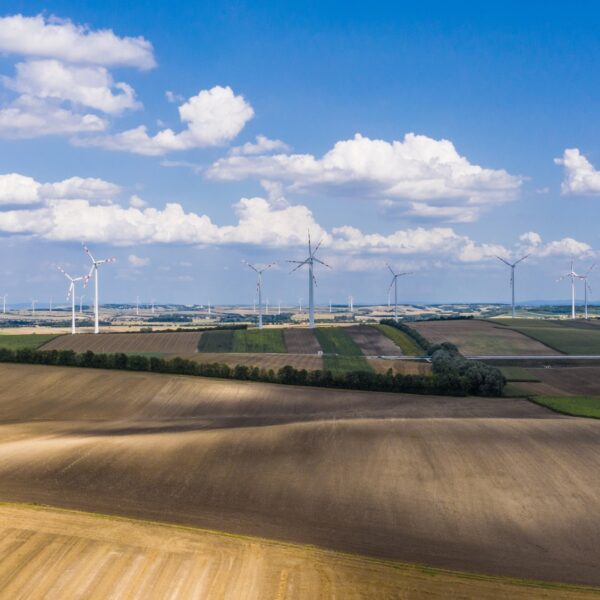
[(512, 280), (137, 306), (572, 275), (259, 272), (4, 303), (586, 287), (152, 302), (351, 303), (33, 303), (310, 261), (394, 284), (81, 303), (71, 295), (94, 270)]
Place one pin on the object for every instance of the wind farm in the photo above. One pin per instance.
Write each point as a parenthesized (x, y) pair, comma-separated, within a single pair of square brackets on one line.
[(299, 301)]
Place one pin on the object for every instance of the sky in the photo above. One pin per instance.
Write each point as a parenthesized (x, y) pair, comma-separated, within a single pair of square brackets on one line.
[(183, 138)]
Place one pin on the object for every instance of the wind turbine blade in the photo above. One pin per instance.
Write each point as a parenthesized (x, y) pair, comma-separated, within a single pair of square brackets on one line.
[(87, 251), (521, 259), (317, 247), (589, 270), (252, 267), (65, 273), (309, 247), (504, 261), (321, 263), (315, 281), (391, 284), (391, 271), (299, 263)]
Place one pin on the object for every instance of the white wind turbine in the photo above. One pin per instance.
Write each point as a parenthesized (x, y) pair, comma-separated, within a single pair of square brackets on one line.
[(310, 261), (351, 303), (512, 279), (572, 276), (586, 287), (4, 303), (33, 303), (94, 270), (259, 272), (81, 303), (71, 295), (394, 284)]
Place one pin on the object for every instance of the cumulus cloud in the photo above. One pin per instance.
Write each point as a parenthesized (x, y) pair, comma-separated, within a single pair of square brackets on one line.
[(212, 118), (418, 169), (137, 202), (29, 117), (137, 262), (20, 189), (580, 175), (532, 243), (51, 37), (87, 86), (263, 145)]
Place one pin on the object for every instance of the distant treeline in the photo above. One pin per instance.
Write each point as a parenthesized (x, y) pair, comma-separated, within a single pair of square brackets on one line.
[(470, 376), (448, 379)]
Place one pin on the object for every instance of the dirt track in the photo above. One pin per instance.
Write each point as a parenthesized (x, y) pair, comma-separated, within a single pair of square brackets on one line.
[(497, 486), (175, 342)]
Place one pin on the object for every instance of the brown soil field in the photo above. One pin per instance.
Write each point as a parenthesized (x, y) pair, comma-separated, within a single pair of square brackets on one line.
[(50, 554), (373, 342), (567, 381), (301, 341), (481, 338), (174, 342), (263, 360), (404, 367), (497, 486)]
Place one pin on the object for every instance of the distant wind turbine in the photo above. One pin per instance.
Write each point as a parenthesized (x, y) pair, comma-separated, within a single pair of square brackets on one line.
[(81, 303), (572, 276), (586, 287), (310, 261), (512, 278), (259, 270), (4, 303), (71, 295), (33, 303), (351, 303), (94, 271), (394, 284)]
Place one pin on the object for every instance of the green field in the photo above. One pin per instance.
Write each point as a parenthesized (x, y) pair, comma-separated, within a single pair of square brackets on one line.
[(340, 352), (31, 340), (216, 341), (579, 406), (408, 346), (518, 374), (566, 337), (258, 340)]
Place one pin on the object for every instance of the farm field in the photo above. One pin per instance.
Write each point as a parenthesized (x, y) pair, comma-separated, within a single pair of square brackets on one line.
[(20, 341), (564, 381), (474, 337), (258, 340), (262, 360), (220, 340), (171, 342), (565, 336), (372, 341), (100, 557), (582, 406), (404, 367), (447, 482), (337, 341), (301, 341), (406, 344)]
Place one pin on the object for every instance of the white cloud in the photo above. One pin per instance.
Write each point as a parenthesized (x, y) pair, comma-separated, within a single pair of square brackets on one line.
[(581, 177), (263, 145), (138, 261), (50, 37), (136, 202), (418, 169), (532, 238), (20, 189), (173, 97), (453, 214), (83, 86), (213, 117), (565, 247), (29, 117)]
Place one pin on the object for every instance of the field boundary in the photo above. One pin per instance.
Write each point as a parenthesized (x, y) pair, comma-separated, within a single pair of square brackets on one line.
[(324, 552)]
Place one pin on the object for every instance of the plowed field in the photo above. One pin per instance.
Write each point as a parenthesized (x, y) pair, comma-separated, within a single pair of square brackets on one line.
[(301, 341), (372, 342)]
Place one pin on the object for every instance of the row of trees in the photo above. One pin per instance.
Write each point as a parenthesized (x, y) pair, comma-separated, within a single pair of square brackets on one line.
[(446, 380)]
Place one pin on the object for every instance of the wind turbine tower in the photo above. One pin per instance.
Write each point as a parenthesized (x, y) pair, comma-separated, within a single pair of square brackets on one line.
[(572, 276), (4, 304), (310, 261), (33, 303), (259, 273), (512, 281), (94, 270), (81, 303), (71, 295), (586, 287), (394, 284)]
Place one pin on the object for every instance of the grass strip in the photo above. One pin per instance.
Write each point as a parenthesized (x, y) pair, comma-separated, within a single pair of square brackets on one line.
[(408, 346), (334, 340), (27, 340), (577, 406), (517, 374), (345, 364), (216, 341)]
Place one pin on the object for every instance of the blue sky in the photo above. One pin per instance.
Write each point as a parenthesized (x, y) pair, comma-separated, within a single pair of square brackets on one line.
[(460, 114)]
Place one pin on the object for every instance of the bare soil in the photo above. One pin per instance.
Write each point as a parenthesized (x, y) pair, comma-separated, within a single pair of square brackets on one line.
[(481, 338), (301, 341), (175, 342), (373, 342), (497, 486), (569, 381), (263, 360)]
